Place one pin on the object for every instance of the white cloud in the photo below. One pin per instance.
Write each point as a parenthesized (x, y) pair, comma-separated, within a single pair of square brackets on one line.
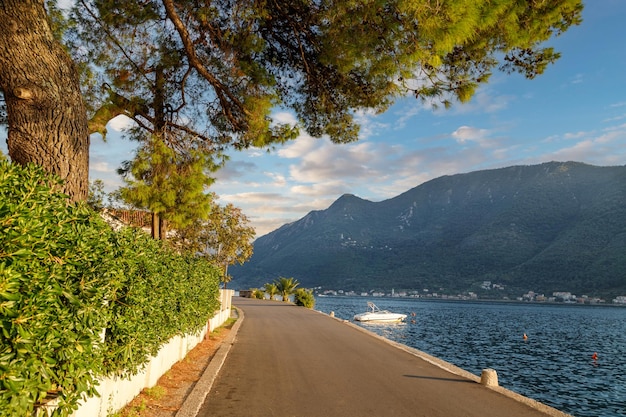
[(483, 101), (100, 167), (619, 128), (233, 170), (285, 117), (412, 109), (369, 126), (65, 4), (328, 161), (120, 123), (615, 119), (467, 133), (278, 180), (299, 147), (263, 225), (269, 210), (605, 149), (333, 188), (256, 198), (575, 135), (577, 79), (616, 135)]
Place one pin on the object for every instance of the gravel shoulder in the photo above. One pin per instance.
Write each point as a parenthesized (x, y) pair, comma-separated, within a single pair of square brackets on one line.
[(168, 396)]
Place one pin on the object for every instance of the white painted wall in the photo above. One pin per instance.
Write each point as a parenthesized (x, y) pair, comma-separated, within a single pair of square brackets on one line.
[(115, 393)]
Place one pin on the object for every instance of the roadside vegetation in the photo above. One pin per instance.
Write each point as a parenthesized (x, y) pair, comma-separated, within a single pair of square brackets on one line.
[(304, 297), (79, 300), (286, 288)]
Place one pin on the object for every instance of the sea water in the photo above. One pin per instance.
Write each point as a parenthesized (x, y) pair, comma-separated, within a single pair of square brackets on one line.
[(553, 364)]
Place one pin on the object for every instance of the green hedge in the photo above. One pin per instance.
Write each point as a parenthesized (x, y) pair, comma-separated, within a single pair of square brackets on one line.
[(304, 297), (158, 294), (67, 279)]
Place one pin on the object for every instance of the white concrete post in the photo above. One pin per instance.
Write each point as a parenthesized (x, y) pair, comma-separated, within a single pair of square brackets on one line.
[(489, 377)]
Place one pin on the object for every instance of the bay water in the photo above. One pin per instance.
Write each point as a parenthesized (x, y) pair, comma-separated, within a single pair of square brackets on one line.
[(554, 364)]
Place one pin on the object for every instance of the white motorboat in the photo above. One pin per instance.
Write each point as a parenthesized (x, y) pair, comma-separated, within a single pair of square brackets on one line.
[(376, 314)]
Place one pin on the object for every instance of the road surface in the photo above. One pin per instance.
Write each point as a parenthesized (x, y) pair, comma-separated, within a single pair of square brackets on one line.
[(292, 361)]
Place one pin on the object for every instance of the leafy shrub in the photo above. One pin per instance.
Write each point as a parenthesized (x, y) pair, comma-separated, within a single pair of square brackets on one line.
[(65, 276), (52, 285), (159, 294), (258, 294), (128, 339), (303, 297)]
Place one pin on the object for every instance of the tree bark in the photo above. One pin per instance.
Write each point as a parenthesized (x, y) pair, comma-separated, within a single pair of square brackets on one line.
[(156, 226), (47, 120)]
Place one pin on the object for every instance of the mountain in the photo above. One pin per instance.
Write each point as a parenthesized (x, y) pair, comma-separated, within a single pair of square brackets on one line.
[(549, 227)]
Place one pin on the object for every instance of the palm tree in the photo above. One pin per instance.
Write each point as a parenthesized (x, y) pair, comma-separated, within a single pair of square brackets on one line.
[(286, 286), (271, 289)]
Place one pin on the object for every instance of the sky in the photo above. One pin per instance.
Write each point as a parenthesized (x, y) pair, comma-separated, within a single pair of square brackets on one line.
[(575, 111)]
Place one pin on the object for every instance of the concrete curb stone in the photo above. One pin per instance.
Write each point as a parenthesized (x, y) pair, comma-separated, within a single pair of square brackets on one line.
[(194, 401)]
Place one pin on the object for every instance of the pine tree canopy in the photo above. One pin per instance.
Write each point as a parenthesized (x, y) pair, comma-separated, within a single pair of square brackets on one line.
[(215, 70)]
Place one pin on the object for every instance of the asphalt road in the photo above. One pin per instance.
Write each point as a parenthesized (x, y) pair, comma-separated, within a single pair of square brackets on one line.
[(292, 361)]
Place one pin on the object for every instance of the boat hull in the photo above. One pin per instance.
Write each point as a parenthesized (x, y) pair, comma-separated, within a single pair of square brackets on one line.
[(380, 317)]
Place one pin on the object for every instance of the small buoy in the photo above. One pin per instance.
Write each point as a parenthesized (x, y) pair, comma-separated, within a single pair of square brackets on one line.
[(594, 356), (525, 337)]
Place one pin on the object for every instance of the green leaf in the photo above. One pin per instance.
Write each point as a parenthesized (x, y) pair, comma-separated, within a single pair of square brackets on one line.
[(10, 296)]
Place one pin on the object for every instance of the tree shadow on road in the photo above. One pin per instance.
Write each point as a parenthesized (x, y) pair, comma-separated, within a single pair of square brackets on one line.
[(439, 378)]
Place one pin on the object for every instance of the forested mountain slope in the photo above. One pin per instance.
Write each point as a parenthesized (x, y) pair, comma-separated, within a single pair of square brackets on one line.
[(548, 227)]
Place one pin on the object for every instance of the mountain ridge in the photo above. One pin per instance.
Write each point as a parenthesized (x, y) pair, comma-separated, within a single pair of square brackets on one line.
[(556, 226)]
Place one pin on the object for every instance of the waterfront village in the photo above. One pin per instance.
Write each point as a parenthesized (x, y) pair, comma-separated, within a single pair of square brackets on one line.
[(530, 296)]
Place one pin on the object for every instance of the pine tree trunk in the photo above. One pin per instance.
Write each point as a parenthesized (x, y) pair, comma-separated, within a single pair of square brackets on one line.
[(156, 226), (162, 228), (47, 120)]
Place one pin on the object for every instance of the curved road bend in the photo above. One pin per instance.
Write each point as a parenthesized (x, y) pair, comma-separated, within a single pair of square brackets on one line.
[(291, 361)]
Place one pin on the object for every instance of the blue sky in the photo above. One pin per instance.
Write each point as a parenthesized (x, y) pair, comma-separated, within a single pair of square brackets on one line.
[(575, 111)]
